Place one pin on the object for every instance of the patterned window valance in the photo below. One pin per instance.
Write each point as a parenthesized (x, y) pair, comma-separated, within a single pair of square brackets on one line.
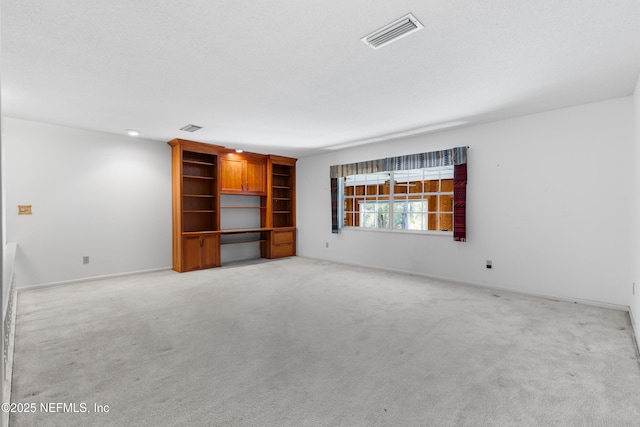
[(453, 156)]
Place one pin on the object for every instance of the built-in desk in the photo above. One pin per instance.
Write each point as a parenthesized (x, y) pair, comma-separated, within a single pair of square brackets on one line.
[(204, 176)]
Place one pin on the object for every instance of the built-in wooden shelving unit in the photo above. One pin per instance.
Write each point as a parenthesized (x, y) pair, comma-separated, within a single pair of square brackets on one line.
[(202, 174)]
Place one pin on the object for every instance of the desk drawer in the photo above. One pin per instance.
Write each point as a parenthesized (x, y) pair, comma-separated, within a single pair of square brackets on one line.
[(283, 250), (282, 243), (283, 237)]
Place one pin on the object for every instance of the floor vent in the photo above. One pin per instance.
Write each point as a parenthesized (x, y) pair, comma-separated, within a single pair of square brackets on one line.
[(396, 30), (191, 128)]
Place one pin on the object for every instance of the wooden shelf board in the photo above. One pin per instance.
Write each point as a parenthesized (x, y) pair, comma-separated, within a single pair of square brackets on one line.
[(198, 211), (198, 177), (282, 198), (193, 233), (281, 186), (244, 230), (199, 195), (243, 207), (198, 162), (281, 212)]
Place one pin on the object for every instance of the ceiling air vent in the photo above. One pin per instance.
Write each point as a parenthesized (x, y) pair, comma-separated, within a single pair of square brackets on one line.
[(191, 128), (396, 30)]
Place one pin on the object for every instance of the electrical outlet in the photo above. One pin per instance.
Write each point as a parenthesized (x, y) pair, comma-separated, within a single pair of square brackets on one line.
[(489, 264), (326, 244), (85, 260)]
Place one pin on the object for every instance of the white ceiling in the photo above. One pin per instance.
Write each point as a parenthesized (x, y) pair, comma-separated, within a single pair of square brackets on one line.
[(293, 77)]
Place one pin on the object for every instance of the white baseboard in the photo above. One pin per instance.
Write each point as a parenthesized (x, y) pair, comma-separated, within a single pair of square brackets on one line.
[(634, 334), (90, 279), (485, 286)]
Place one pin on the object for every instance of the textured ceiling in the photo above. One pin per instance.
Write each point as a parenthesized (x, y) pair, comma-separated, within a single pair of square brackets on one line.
[(293, 77)]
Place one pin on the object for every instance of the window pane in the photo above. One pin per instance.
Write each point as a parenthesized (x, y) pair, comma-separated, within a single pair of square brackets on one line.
[(416, 221), (400, 215), (367, 214), (446, 222), (447, 185), (368, 220), (431, 186), (349, 219), (418, 206), (432, 202), (432, 221), (383, 214), (371, 191), (446, 203), (383, 220)]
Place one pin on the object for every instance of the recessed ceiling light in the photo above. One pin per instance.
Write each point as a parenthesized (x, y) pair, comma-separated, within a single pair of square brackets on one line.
[(132, 132), (238, 150)]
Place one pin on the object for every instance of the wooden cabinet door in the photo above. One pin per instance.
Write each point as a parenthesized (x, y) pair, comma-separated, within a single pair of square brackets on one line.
[(210, 251), (256, 176), (282, 243), (231, 175), (191, 253), (200, 251), (243, 175)]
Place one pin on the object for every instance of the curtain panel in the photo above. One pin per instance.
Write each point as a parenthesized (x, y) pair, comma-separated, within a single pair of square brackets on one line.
[(455, 156), (334, 206), (460, 203)]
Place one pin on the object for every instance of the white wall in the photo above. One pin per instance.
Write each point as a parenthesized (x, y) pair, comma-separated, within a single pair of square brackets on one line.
[(634, 303), (548, 203), (97, 194)]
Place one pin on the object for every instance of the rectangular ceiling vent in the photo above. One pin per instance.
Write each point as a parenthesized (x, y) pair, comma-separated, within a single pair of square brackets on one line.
[(191, 128), (396, 30)]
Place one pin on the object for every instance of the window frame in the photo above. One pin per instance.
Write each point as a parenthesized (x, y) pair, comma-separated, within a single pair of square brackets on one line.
[(392, 199)]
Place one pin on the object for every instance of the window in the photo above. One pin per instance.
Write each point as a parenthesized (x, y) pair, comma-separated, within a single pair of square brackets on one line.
[(408, 192), (413, 199)]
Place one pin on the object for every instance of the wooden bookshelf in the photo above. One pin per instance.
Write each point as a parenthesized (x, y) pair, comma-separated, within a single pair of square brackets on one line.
[(203, 175), (281, 213), (195, 192)]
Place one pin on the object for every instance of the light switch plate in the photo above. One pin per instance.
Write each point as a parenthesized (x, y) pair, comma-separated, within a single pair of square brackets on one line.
[(24, 209)]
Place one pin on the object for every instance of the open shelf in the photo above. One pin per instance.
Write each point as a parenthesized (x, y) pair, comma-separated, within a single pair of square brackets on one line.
[(197, 177), (198, 158), (198, 162), (282, 195)]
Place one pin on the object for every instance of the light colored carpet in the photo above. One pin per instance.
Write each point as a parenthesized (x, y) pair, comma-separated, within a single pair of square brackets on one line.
[(299, 342)]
